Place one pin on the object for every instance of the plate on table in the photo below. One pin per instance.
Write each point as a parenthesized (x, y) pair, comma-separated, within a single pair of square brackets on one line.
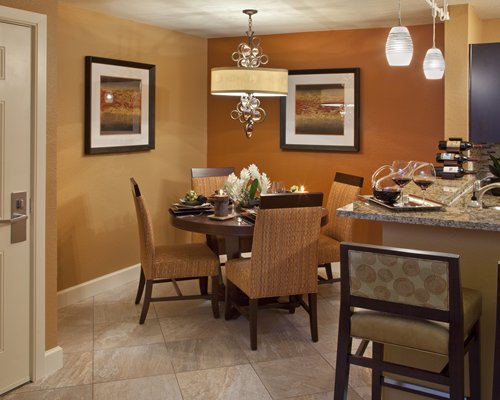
[(229, 216), (194, 205), (414, 203)]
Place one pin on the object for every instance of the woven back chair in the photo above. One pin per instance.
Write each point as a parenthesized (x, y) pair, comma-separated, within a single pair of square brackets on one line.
[(170, 263), (344, 190), (496, 364), (206, 181), (410, 299), (283, 262)]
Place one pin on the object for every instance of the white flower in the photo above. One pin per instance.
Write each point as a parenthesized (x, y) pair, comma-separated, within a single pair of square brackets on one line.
[(265, 183), (237, 188), (254, 171)]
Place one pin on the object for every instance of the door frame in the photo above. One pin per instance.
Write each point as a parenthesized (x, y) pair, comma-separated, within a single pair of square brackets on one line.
[(38, 25)]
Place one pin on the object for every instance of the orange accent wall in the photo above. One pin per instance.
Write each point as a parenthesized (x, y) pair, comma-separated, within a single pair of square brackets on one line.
[(401, 113)]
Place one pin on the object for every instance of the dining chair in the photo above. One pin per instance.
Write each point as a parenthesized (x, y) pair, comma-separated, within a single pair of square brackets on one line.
[(170, 263), (496, 363), (344, 190), (283, 261), (206, 181), (409, 299)]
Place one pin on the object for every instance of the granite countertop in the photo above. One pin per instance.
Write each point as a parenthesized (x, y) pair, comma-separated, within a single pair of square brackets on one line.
[(454, 194)]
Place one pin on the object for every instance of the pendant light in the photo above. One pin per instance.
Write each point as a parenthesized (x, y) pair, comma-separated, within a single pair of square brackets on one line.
[(434, 64), (399, 46), (248, 82)]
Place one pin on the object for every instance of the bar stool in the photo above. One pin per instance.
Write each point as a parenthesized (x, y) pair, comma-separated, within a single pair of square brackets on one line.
[(410, 299)]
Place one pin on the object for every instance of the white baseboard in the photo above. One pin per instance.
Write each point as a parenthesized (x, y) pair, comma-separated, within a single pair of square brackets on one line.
[(53, 360), (91, 288)]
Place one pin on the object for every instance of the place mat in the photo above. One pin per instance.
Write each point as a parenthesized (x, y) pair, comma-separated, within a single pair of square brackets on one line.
[(187, 211), (229, 216), (181, 206)]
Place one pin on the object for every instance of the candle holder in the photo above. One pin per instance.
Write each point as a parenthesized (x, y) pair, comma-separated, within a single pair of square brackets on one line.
[(221, 205)]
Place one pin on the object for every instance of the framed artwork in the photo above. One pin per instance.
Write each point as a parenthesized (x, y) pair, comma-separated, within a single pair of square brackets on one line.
[(119, 106), (321, 110)]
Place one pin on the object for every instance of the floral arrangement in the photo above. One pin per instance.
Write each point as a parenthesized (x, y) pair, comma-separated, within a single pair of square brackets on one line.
[(248, 186)]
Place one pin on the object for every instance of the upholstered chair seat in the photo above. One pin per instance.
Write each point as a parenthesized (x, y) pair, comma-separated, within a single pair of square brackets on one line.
[(418, 334)]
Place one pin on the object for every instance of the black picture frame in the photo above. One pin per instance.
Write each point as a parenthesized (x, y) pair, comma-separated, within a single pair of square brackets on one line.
[(322, 125), (119, 106)]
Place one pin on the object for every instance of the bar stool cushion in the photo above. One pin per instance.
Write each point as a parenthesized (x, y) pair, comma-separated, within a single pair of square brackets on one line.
[(425, 335)]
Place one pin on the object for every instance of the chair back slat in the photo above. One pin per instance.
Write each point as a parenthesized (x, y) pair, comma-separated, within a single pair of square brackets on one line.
[(290, 200), (146, 234), (401, 281), (285, 251), (344, 190)]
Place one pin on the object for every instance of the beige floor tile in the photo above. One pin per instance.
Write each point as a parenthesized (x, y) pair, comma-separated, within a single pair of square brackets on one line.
[(75, 338), (328, 312), (131, 362), (77, 314), (268, 321), (183, 307), (358, 376), (238, 382), (118, 312), (315, 396), (163, 387), (121, 334), (296, 376), (124, 293), (76, 371), (364, 392), (327, 337), (196, 326), (329, 290), (70, 393), (273, 346), (213, 352)]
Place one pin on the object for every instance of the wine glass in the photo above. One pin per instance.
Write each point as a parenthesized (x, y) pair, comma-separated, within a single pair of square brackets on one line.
[(278, 187), (424, 176), (402, 175)]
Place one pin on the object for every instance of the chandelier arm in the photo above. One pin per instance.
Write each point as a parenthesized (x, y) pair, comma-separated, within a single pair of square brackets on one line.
[(442, 12)]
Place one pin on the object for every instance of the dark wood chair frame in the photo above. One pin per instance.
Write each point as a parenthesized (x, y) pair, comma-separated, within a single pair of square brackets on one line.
[(348, 180), (451, 375), (148, 284), (249, 309), (496, 364)]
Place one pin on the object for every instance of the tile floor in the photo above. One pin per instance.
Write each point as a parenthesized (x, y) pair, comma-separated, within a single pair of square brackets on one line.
[(182, 352)]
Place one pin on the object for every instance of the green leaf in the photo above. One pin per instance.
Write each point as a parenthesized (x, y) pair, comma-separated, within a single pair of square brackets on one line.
[(496, 161), (253, 189), (494, 171)]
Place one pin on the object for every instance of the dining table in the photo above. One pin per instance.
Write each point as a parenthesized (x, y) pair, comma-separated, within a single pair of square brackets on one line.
[(235, 231), (231, 229)]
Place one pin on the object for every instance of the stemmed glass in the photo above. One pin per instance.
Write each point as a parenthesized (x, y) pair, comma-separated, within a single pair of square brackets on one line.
[(424, 176), (402, 175)]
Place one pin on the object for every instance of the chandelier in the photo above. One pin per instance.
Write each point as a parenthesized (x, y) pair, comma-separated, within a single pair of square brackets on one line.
[(248, 81)]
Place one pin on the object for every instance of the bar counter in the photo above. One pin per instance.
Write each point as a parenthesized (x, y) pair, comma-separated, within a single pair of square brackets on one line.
[(474, 234)]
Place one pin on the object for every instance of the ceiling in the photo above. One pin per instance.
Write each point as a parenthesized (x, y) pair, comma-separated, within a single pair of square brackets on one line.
[(223, 18)]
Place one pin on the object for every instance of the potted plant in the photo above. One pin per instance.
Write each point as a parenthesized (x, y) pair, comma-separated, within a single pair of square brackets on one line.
[(246, 189)]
